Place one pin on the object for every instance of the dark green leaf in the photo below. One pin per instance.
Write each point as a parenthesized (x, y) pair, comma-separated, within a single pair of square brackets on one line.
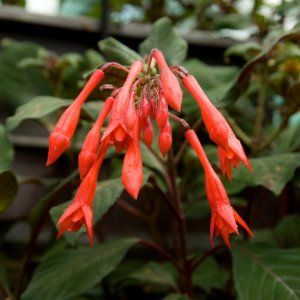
[(289, 141), (70, 272), (272, 172), (4, 282), (8, 189), (244, 50), (6, 149), (18, 85), (210, 275), (175, 297), (164, 38), (262, 272), (242, 81), (35, 109), (157, 274), (118, 52), (287, 231)]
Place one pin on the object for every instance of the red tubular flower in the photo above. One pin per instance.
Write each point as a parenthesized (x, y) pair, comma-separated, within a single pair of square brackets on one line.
[(64, 129), (219, 131), (88, 153), (148, 133), (165, 139), (130, 113), (116, 129), (224, 217), (170, 85), (132, 173), (80, 211), (162, 113)]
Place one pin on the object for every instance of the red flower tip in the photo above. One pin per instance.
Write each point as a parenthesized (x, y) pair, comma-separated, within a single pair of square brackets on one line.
[(218, 129), (148, 133), (80, 211), (58, 144), (130, 113), (64, 129), (162, 113), (74, 217), (170, 85), (224, 217), (165, 139), (132, 172)]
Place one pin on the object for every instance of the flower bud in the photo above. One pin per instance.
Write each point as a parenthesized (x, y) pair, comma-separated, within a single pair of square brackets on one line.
[(162, 113), (148, 133), (165, 139)]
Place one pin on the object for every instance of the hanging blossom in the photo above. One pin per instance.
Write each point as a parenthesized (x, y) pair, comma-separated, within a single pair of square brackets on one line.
[(144, 98)]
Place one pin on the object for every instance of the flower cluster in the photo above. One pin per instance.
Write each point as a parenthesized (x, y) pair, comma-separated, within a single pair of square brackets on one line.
[(145, 97)]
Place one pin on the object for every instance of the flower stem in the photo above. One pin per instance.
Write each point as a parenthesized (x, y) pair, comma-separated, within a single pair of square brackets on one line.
[(186, 273)]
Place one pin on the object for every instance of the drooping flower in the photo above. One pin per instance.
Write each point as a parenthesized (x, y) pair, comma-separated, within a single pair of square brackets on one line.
[(116, 129), (165, 139), (132, 172), (127, 138), (64, 129), (88, 153), (170, 86), (224, 218), (230, 148), (80, 211)]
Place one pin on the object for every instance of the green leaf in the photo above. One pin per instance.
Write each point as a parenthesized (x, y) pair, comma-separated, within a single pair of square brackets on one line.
[(262, 272), (210, 275), (118, 52), (164, 38), (242, 81), (288, 140), (6, 149), (244, 50), (107, 193), (70, 272), (161, 274), (287, 232), (271, 172), (175, 297), (18, 85), (4, 282), (8, 189), (35, 109)]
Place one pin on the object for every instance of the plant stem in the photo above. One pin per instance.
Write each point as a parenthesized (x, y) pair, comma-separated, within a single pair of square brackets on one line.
[(260, 115), (48, 201), (196, 262), (186, 265), (162, 252)]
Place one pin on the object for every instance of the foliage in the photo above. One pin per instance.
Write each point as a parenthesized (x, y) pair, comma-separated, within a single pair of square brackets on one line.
[(261, 103)]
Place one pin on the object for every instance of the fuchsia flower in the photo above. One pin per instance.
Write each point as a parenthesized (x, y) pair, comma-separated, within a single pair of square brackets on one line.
[(170, 85), (64, 129), (80, 211), (88, 153), (131, 109), (224, 217), (230, 148)]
